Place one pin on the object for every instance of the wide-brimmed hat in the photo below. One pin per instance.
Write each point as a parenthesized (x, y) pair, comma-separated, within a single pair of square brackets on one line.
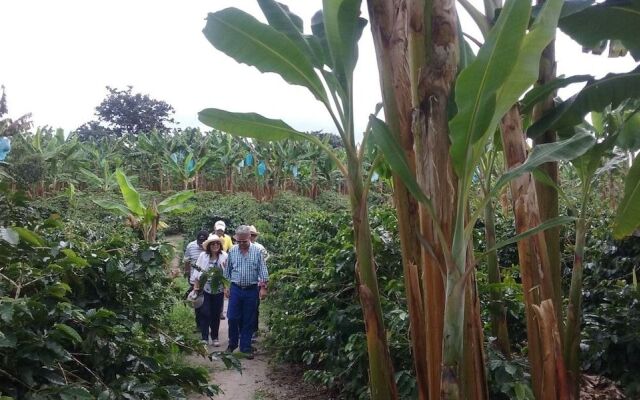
[(253, 230), (196, 298), (220, 225), (211, 238)]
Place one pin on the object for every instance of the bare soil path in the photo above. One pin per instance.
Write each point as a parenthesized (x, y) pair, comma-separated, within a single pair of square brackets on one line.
[(260, 379)]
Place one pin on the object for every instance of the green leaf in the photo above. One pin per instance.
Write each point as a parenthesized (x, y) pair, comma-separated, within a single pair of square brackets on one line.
[(75, 393), (129, 194), (343, 29), (8, 340), (58, 290), (74, 258), (564, 150), (247, 40), (525, 73), (6, 311), (249, 125), (174, 202), (29, 236), (628, 213), (478, 85), (119, 208), (382, 137), (283, 20), (595, 96), (629, 136), (606, 21), (69, 332), (550, 223), (541, 92)]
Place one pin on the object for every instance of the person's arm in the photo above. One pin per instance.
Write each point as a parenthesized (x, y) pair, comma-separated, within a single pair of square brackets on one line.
[(186, 263), (201, 264)]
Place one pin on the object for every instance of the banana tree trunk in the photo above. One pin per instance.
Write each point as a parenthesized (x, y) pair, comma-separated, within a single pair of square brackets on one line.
[(547, 195), (390, 38), (533, 258), (381, 376), (572, 331)]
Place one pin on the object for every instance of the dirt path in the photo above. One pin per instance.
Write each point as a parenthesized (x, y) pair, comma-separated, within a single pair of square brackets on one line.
[(260, 378)]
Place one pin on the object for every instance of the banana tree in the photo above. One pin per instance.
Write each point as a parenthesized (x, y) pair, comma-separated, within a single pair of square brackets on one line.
[(324, 60), (145, 218), (506, 65), (186, 168)]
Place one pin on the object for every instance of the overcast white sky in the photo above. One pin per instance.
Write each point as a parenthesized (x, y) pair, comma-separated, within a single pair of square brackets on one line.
[(58, 56)]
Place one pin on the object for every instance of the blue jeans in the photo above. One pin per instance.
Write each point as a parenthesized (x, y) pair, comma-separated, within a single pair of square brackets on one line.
[(241, 312)]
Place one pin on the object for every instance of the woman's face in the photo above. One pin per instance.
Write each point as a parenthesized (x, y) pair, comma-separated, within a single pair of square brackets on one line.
[(214, 247)]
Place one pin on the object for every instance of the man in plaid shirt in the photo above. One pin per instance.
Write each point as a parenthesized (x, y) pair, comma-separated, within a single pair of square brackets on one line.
[(248, 274)]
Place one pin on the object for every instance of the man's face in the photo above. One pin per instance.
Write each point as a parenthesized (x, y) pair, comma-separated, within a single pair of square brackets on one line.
[(201, 240), (220, 232), (243, 240)]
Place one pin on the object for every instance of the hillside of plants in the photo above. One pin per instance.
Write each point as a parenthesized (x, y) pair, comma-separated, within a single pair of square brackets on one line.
[(480, 240)]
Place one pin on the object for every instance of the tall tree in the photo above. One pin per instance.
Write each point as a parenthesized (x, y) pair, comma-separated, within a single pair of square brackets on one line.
[(123, 112)]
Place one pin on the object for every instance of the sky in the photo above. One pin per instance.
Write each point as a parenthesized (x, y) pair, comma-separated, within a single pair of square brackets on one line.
[(59, 55)]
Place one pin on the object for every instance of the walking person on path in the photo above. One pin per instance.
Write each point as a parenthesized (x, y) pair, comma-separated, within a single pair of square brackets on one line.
[(265, 257), (219, 227), (248, 274), (212, 261), (191, 254)]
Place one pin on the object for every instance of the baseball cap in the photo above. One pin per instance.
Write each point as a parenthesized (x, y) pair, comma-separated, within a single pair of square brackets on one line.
[(220, 225)]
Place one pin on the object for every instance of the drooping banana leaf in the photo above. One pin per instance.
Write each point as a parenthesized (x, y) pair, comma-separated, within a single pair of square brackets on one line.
[(247, 40), (613, 19), (595, 96)]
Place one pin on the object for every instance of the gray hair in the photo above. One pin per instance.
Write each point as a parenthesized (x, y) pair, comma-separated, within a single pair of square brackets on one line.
[(243, 230)]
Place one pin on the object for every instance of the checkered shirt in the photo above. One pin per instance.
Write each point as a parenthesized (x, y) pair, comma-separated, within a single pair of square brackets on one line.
[(246, 269)]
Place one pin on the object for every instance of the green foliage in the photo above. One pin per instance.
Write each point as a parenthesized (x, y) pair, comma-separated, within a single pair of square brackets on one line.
[(611, 20), (314, 313), (84, 316), (611, 336)]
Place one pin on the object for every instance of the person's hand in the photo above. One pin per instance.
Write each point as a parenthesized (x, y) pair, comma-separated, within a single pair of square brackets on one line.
[(263, 292), (226, 293)]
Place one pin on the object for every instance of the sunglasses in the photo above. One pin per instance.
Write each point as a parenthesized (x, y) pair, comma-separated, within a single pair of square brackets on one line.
[(242, 241)]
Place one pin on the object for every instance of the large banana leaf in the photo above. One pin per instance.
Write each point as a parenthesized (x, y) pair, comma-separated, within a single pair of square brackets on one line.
[(525, 72), (247, 40), (291, 25), (343, 29), (612, 89), (382, 137), (129, 194), (114, 206), (249, 125), (175, 203), (628, 213), (563, 150), (539, 93), (613, 19), (477, 86)]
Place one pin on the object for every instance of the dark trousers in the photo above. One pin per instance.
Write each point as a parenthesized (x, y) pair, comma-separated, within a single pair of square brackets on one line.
[(209, 315), (241, 313)]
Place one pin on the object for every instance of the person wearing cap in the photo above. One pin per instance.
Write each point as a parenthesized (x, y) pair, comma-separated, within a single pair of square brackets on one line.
[(248, 274), (213, 257), (219, 227), (265, 256), (191, 254)]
